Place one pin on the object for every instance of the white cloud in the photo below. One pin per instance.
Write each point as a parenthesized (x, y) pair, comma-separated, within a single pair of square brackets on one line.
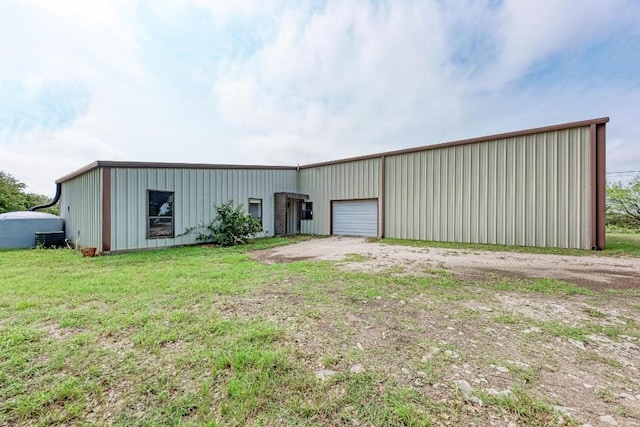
[(43, 157), (345, 78), (530, 33), (282, 82), (63, 40)]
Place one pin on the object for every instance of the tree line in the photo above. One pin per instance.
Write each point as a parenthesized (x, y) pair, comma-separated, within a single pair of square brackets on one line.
[(623, 205), (14, 198)]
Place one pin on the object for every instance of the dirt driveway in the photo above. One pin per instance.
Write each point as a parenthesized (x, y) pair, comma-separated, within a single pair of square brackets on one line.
[(580, 352), (595, 272)]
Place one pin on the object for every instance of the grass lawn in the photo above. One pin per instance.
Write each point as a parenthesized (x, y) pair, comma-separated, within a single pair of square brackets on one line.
[(625, 244), (208, 336)]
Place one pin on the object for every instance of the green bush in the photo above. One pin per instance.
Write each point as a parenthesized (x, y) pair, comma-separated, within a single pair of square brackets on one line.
[(232, 226), (621, 223)]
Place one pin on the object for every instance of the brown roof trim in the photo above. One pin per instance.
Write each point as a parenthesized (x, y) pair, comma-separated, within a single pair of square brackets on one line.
[(558, 127), (161, 165), (80, 171), (152, 165)]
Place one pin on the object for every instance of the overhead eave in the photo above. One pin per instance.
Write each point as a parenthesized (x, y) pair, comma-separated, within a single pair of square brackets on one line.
[(532, 131), (162, 165), (153, 165)]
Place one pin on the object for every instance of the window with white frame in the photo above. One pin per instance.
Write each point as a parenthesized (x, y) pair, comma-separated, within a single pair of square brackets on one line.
[(255, 209)]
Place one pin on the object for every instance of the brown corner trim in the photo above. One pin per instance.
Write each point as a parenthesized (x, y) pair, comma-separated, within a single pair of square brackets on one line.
[(593, 166), (381, 202), (106, 209), (330, 217), (601, 186)]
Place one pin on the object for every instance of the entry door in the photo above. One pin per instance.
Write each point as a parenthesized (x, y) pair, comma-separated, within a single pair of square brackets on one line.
[(293, 221), (355, 218)]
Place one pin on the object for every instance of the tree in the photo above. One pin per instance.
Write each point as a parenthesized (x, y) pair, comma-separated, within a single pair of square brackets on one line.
[(13, 198), (232, 226), (32, 199), (11, 193), (623, 203)]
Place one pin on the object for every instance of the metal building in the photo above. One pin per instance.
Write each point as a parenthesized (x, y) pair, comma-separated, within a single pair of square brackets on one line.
[(117, 206), (538, 187)]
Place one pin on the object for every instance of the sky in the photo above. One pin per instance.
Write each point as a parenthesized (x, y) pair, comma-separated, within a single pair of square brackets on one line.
[(294, 82)]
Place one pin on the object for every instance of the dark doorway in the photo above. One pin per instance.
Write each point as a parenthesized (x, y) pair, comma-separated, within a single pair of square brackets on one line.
[(287, 213)]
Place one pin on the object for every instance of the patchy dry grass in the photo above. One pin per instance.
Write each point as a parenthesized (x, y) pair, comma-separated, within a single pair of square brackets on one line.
[(623, 244), (208, 336), (618, 244)]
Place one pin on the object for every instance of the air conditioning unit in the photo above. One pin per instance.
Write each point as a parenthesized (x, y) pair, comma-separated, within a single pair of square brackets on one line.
[(50, 239)]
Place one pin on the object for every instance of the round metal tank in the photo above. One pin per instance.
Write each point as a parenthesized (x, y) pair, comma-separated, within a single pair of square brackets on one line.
[(18, 229)]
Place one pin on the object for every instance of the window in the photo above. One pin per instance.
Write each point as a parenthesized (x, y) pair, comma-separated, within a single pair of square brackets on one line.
[(255, 209), (306, 210), (160, 214)]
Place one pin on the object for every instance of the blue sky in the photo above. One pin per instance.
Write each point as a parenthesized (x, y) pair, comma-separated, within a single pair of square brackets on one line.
[(294, 82)]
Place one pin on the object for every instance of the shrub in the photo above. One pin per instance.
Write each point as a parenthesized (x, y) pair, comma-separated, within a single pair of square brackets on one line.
[(232, 226), (623, 204)]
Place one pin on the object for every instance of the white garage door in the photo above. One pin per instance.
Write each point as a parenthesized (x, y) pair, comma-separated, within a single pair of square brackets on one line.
[(355, 218)]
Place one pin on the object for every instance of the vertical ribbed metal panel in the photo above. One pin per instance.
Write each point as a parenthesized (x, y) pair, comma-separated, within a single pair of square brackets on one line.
[(342, 181), (81, 208), (531, 190), (196, 193)]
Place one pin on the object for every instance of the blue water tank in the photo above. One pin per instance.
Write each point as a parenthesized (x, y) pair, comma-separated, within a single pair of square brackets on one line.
[(18, 229)]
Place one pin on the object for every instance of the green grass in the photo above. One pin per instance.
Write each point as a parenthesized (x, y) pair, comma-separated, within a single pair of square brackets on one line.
[(618, 244), (541, 286), (526, 406), (207, 336), (582, 331), (595, 357), (354, 258), (623, 244), (481, 247), (158, 337), (594, 312)]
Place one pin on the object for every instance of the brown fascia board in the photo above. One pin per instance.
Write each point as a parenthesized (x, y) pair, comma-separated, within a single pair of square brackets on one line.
[(160, 165), (563, 126), (78, 172), (151, 165)]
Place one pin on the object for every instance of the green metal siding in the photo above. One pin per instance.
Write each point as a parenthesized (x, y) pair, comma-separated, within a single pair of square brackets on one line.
[(196, 193), (81, 208), (531, 190), (341, 181)]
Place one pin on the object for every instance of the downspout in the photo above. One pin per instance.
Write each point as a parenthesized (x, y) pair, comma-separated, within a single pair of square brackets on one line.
[(55, 200), (594, 186), (382, 195)]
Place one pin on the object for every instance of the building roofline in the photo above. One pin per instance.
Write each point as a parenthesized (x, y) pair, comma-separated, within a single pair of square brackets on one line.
[(531, 131), (160, 165), (163, 165)]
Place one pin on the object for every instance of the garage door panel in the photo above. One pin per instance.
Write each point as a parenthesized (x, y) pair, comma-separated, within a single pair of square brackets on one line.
[(355, 218)]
